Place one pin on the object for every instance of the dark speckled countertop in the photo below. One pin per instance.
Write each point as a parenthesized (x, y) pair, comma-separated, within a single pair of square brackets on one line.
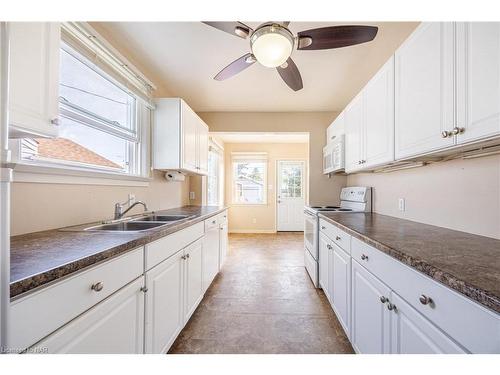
[(467, 263), (40, 258)]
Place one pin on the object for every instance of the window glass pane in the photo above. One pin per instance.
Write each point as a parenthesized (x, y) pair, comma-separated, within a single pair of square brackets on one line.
[(291, 180), (249, 182), (79, 143), (84, 87)]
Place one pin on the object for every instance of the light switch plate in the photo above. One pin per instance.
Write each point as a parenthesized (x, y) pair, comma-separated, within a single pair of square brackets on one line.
[(401, 204)]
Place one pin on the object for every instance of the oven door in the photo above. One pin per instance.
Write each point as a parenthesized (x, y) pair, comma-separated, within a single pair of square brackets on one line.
[(311, 234)]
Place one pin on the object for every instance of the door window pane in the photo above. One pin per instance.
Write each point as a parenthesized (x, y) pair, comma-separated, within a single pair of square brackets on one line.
[(291, 180)]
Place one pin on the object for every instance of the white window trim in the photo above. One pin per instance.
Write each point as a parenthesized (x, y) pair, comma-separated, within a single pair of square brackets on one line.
[(238, 157)]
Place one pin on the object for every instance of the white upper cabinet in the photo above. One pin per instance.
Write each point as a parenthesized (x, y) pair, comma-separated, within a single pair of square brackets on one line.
[(478, 80), (180, 138), (424, 94), (335, 129), (353, 119), (34, 78), (378, 125)]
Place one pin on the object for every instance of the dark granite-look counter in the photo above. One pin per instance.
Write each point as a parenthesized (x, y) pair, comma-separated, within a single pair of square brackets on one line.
[(39, 258), (467, 263)]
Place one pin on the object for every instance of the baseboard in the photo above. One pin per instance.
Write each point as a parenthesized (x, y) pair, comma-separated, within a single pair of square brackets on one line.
[(256, 231)]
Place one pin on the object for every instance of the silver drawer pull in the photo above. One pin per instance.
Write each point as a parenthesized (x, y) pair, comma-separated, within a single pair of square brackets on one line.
[(337, 238), (213, 222), (364, 257), (424, 300), (183, 257), (384, 299), (144, 289), (391, 307), (97, 287), (187, 256)]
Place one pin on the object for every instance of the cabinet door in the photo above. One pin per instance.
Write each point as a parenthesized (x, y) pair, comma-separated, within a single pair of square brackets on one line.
[(353, 120), (324, 244), (223, 245), (378, 124), (116, 325), (194, 278), (478, 80), (34, 78), (327, 159), (164, 303), (342, 286), (202, 147), (370, 322), (189, 126), (210, 256), (411, 333), (424, 94)]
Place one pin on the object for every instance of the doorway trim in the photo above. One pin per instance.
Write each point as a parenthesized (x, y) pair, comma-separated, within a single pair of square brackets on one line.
[(305, 181)]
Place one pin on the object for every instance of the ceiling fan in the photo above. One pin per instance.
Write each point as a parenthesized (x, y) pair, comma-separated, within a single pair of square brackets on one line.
[(272, 43)]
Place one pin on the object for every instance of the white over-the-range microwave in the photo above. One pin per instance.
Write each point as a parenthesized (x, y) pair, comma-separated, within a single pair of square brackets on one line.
[(333, 155)]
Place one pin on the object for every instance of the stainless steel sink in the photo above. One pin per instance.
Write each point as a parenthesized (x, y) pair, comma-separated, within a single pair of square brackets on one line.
[(128, 226), (162, 218)]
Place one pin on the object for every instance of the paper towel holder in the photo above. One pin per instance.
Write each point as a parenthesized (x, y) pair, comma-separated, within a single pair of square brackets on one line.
[(174, 176)]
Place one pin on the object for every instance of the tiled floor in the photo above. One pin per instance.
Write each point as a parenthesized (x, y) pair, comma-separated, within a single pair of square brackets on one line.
[(263, 302)]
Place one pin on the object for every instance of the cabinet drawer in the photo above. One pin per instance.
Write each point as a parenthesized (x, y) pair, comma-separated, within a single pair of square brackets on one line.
[(338, 236), (449, 309), (165, 247), (211, 223), (40, 313)]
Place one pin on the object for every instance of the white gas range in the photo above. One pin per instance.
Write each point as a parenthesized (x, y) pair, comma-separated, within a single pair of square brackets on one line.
[(352, 199)]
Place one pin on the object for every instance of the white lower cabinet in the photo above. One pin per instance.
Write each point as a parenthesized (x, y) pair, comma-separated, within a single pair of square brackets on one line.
[(116, 325), (164, 303), (223, 244), (411, 333), (194, 278), (370, 326), (323, 264), (341, 292)]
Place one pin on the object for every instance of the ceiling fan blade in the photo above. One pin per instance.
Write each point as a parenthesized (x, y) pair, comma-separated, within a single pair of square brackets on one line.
[(291, 75), (235, 67), (235, 28), (335, 37)]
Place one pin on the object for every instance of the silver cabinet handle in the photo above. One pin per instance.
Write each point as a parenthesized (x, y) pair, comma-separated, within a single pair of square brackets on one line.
[(184, 257), (187, 256), (337, 238), (384, 299), (329, 247), (213, 222), (456, 130), (322, 227), (55, 121), (364, 257), (424, 300), (97, 287), (446, 134), (391, 307), (144, 289)]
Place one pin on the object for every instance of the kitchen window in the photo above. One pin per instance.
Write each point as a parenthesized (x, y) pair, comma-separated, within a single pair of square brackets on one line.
[(99, 128), (249, 178)]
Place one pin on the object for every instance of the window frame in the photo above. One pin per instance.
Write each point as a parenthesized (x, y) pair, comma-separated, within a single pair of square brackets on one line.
[(139, 137), (249, 159)]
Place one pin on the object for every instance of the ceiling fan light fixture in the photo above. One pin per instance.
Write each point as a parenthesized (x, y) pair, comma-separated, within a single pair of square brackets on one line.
[(272, 45)]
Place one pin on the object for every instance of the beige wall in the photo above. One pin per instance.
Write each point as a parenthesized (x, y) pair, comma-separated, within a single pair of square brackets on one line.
[(37, 207), (458, 194), (241, 217), (323, 190)]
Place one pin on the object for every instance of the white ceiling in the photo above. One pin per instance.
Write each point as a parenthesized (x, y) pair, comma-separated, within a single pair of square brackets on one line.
[(256, 137), (182, 57)]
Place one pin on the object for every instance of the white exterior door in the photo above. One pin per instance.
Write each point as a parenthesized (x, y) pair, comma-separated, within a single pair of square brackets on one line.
[(290, 195)]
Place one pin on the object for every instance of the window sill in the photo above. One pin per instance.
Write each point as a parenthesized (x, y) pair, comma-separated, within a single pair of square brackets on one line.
[(63, 175)]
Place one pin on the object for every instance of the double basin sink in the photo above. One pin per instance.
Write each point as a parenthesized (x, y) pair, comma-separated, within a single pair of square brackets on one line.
[(139, 224)]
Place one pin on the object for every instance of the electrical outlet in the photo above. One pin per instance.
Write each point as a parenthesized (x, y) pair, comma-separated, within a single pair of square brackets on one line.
[(131, 198), (192, 195), (254, 220), (401, 204)]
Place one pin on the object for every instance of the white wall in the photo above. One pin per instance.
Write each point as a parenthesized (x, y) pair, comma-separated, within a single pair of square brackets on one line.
[(458, 194)]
